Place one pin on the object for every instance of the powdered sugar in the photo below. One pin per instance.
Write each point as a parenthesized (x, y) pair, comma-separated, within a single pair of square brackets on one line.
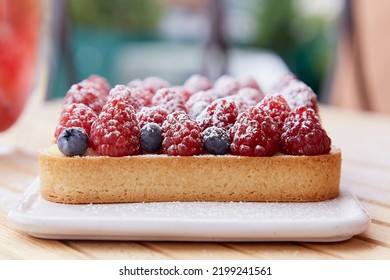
[(197, 83), (87, 94), (156, 114), (225, 86), (170, 99), (127, 94), (201, 96), (298, 93), (220, 113)]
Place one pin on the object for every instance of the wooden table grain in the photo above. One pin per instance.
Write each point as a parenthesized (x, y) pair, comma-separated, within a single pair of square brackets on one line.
[(363, 138)]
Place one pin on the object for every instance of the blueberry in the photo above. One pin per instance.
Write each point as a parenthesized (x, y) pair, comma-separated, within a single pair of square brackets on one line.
[(151, 137), (73, 141), (216, 140)]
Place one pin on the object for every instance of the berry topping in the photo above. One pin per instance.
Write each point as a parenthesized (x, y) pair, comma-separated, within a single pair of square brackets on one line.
[(200, 96), (115, 132), (182, 135), (251, 94), (225, 86), (197, 83), (170, 99), (135, 83), (154, 84), (76, 115), (241, 102), (216, 140), (233, 116), (185, 93), (101, 82), (144, 96), (220, 113), (127, 94), (254, 134), (151, 137), (156, 114), (73, 141), (277, 108), (297, 93), (284, 82), (302, 134), (249, 82), (197, 108), (87, 94)]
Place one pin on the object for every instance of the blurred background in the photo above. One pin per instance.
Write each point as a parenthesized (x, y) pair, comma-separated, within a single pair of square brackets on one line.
[(337, 47), (173, 39)]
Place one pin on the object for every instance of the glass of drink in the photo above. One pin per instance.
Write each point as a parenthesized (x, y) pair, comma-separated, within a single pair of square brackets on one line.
[(19, 37)]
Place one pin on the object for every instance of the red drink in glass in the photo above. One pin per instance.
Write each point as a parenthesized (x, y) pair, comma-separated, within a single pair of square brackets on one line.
[(19, 36)]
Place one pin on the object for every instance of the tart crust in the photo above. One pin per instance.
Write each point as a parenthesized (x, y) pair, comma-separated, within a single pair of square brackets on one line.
[(161, 178)]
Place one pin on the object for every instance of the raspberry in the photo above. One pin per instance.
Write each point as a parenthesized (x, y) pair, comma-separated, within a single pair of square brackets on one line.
[(76, 115), (115, 132), (85, 93), (126, 93), (154, 84), (241, 102), (249, 82), (156, 114), (284, 82), (277, 108), (254, 134), (135, 83), (100, 82), (197, 83), (225, 86), (297, 93), (302, 134), (144, 96), (197, 108), (220, 113), (251, 94), (185, 93), (200, 96), (170, 99), (182, 135)]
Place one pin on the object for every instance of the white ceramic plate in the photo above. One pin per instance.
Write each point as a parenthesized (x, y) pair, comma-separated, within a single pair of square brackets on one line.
[(333, 220)]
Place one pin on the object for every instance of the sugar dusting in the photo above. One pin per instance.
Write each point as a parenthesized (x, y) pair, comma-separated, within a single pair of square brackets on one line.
[(239, 211)]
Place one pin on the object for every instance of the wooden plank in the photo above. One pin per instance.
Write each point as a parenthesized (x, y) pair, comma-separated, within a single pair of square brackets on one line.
[(7, 199), (19, 161), (196, 250), (17, 245), (368, 145), (369, 176), (377, 212), (17, 171), (278, 250), (367, 194), (111, 250), (352, 249), (378, 234), (17, 185)]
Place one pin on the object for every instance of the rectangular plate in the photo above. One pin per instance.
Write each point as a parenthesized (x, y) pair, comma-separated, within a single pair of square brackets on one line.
[(333, 220)]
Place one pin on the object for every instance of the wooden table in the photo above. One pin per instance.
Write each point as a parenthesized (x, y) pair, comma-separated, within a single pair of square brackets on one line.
[(363, 137)]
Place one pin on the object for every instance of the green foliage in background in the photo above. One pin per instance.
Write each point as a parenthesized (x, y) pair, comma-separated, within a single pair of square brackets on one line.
[(276, 26), (306, 43), (135, 16)]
